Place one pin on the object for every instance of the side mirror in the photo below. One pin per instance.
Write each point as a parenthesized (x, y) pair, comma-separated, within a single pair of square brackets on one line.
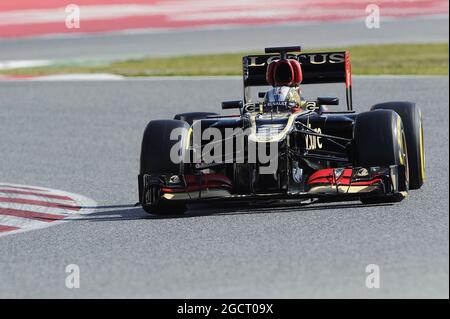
[(328, 101), (226, 105)]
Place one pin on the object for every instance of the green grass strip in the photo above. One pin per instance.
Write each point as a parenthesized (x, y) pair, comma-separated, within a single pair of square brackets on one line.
[(396, 59)]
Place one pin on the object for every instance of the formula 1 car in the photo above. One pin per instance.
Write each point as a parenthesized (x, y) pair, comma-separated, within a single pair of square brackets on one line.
[(306, 151)]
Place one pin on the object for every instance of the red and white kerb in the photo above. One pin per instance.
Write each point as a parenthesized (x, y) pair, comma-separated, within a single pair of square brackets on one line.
[(24, 208)]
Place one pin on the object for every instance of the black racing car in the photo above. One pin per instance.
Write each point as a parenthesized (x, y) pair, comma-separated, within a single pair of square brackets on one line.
[(281, 146)]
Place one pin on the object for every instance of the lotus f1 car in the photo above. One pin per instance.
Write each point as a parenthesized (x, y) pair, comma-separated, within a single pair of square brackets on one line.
[(282, 146)]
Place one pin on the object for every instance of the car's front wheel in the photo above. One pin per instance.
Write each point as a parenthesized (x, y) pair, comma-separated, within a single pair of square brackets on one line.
[(412, 122), (380, 141), (158, 161)]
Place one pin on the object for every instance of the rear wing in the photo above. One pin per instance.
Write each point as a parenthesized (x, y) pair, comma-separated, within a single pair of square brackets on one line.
[(323, 67)]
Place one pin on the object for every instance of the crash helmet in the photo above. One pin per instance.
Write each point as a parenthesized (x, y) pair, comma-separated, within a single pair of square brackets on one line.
[(283, 99)]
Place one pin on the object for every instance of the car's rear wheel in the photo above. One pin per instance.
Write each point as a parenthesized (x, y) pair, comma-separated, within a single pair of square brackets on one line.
[(412, 124), (192, 116), (380, 141), (156, 161)]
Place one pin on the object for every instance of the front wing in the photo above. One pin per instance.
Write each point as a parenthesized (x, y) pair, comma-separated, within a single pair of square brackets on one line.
[(331, 184)]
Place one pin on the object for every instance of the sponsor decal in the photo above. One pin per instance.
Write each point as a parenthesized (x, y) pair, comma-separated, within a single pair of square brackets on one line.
[(311, 105), (307, 58), (313, 142)]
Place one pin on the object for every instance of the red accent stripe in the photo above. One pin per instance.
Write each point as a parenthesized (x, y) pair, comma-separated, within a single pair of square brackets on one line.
[(4, 228), (38, 203), (344, 182), (348, 70), (321, 181), (195, 188), (326, 176), (13, 191), (364, 183), (32, 215)]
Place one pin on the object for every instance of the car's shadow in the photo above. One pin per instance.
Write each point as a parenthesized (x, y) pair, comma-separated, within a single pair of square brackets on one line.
[(133, 212)]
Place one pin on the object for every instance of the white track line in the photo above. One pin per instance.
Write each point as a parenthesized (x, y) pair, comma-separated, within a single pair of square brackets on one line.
[(18, 64), (66, 77), (79, 77)]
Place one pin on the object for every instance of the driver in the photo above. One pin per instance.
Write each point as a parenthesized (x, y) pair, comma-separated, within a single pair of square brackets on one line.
[(281, 99), (285, 76)]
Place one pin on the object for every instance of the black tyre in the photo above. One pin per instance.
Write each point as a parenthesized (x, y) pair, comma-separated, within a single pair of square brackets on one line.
[(412, 124), (380, 141), (192, 116), (156, 161)]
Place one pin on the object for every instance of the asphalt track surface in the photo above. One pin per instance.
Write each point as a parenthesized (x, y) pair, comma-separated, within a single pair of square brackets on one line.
[(84, 137), (132, 44)]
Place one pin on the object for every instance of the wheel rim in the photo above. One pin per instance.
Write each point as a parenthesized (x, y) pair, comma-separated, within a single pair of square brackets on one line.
[(405, 158), (422, 150)]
